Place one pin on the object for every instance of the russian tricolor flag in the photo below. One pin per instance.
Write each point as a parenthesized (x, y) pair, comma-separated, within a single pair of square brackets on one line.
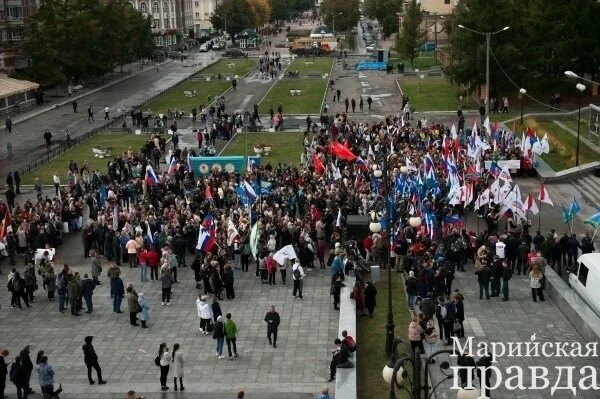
[(173, 166), (250, 193), (205, 242), (362, 165), (151, 178)]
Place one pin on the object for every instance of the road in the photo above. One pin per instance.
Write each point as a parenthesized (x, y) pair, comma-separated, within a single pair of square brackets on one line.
[(27, 137)]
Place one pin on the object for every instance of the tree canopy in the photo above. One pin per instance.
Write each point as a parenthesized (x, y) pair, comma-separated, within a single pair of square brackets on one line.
[(346, 13), (409, 37), (78, 39), (546, 37), (236, 14), (384, 11)]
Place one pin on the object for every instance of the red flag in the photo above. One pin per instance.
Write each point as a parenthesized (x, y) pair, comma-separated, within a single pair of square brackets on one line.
[(6, 223), (317, 164), (207, 193), (339, 151)]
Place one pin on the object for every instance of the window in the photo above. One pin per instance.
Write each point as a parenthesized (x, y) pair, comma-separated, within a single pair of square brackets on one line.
[(15, 13), (196, 4), (156, 23), (583, 274), (165, 7), (197, 15), (446, 1), (155, 7), (143, 7)]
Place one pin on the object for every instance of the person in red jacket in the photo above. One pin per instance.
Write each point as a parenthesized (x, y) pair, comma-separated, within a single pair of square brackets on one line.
[(271, 266), (143, 262), (152, 261), (367, 245)]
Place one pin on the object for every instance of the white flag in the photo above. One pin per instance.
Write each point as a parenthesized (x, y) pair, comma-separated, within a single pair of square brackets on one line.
[(284, 253)]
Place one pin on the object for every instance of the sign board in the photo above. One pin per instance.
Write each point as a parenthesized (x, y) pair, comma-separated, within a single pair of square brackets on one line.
[(509, 163), (229, 164)]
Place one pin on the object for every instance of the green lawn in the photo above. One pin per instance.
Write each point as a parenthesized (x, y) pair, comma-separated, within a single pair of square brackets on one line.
[(421, 63), (562, 146), (434, 94), (205, 93), (371, 339), (81, 153), (230, 67), (286, 146), (308, 65), (309, 102)]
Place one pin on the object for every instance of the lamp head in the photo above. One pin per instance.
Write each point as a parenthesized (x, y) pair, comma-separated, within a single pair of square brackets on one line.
[(571, 74), (506, 28), (580, 87), (522, 91), (461, 26), (378, 173)]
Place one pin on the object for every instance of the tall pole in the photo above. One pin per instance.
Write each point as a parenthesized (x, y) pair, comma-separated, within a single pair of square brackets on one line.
[(578, 128), (521, 112), (488, 36), (389, 327)]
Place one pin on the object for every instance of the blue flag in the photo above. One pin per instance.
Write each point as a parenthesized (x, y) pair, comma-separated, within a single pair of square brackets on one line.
[(574, 207), (566, 214), (593, 220)]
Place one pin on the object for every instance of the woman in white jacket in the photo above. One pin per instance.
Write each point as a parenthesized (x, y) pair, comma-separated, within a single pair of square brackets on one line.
[(164, 357), (177, 367), (204, 313)]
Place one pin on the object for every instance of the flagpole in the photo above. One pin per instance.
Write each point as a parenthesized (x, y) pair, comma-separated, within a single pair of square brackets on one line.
[(540, 217), (594, 235)]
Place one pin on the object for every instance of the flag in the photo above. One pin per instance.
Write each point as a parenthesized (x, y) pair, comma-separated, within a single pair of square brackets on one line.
[(593, 220), (115, 218), (6, 225), (339, 151), (284, 253), (232, 232), (545, 145), (250, 193), (208, 193), (173, 166), (338, 222), (151, 178), (362, 165), (495, 170), (486, 125), (468, 195), (335, 171), (543, 196), (505, 174), (574, 208), (566, 214), (317, 164), (530, 205), (205, 242), (254, 240), (188, 165), (149, 233)]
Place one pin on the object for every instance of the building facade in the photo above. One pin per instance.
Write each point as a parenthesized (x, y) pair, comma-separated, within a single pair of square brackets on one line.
[(13, 14), (202, 11), (164, 16)]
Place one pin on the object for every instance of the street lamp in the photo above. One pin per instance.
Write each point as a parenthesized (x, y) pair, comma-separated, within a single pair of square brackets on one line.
[(333, 23), (523, 92), (488, 36), (573, 75), (224, 19), (581, 88)]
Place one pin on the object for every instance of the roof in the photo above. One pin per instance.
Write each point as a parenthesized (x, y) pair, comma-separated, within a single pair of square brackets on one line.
[(248, 34), (10, 86), (591, 260), (322, 30)]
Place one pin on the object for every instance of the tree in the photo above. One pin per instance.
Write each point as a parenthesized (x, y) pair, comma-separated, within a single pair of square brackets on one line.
[(346, 13), (410, 36), (281, 10), (261, 10), (385, 11), (236, 14)]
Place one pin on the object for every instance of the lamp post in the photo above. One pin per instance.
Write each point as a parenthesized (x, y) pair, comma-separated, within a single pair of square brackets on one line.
[(581, 88), (488, 36), (333, 22), (225, 20), (571, 74), (523, 92)]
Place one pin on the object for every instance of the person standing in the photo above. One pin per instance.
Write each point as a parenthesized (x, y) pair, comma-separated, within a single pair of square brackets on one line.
[(144, 307), (46, 378), (204, 313), (18, 376), (18, 290), (96, 267), (449, 316), (483, 278), (369, 102), (8, 124), (117, 292), (298, 277), (370, 298), (74, 293), (48, 138), (3, 371), (90, 112), (28, 366), (106, 112), (535, 282), (219, 336), (273, 320), (360, 104), (56, 182), (166, 282), (228, 279), (87, 290), (74, 105), (347, 104), (163, 361), (178, 363), (91, 360), (132, 305), (230, 335), (506, 276), (30, 282), (336, 290), (353, 103)]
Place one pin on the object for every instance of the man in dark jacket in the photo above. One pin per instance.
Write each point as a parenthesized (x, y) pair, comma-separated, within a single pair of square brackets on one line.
[(483, 278), (587, 245), (272, 318), (179, 247), (91, 360), (572, 251), (87, 290), (117, 292), (28, 366), (449, 319), (18, 376), (3, 371)]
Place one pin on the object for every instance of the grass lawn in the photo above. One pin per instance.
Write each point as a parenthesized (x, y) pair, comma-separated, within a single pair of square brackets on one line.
[(434, 94), (286, 146), (421, 63), (309, 102), (177, 99), (230, 67), (371, 339), (308, 65), (583, 126), (562, 146), (83, 153)]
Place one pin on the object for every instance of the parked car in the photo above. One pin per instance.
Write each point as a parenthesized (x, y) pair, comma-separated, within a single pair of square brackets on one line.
[(204, 48), (427, 47), (585, 280), (235, 53), (218, 46), (370, 48)]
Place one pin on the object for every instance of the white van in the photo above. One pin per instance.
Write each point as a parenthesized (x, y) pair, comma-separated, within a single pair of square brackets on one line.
[(586, 280)]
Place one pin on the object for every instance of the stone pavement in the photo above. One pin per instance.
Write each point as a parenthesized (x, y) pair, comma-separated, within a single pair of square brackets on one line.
[(27, 137), (297, 369)]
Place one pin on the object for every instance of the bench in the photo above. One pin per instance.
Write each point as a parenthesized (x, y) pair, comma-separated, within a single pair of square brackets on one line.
[(295, 92), (434, 72), (410, 73)]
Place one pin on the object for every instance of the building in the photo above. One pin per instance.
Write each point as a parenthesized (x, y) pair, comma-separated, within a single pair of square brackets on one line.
[(13, 14), (202, 11), (164, 15), (248, 38), (433, 26)]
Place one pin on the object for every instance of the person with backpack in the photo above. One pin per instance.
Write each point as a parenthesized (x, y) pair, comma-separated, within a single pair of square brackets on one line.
[(18, 376), (16, 285), (91, 360), (298, 277), (46, 378)]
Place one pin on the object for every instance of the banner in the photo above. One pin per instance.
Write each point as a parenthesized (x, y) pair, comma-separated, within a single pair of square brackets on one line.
[(509, 164), (229, 164)]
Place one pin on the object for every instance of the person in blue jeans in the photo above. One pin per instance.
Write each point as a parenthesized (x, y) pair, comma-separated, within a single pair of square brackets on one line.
[(117, 293), (219, 336)]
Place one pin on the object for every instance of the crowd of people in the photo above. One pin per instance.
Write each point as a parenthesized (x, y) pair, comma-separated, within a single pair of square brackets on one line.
[(155, 216)]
